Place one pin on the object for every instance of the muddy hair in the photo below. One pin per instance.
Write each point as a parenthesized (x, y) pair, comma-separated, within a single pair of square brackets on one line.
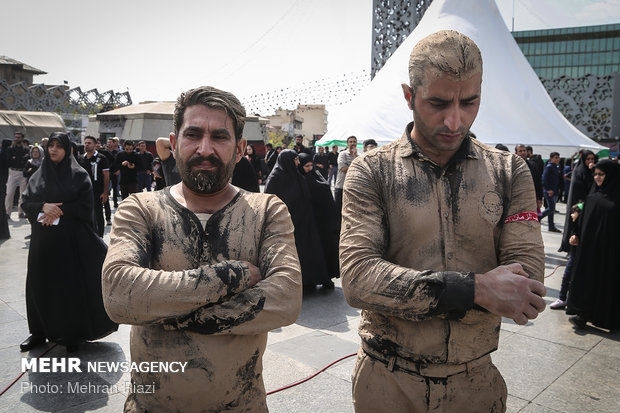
[(212, 98), (446, 52)]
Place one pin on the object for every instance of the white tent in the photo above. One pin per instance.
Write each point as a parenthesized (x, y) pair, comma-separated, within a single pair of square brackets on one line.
[(515, 107)]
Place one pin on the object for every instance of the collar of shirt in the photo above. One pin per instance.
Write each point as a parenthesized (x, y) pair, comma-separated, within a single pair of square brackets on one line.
[(408, 147)]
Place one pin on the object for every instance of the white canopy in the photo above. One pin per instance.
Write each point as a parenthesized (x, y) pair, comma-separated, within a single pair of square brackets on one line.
[(515, 107)]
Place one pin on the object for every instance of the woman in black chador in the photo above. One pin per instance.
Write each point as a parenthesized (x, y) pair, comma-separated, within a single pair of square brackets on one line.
[(4, 174), (286, 182), (63, 285), (595, 286), (325, 214)]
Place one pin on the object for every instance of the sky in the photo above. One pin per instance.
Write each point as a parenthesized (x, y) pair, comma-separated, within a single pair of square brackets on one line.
[(157, 49)]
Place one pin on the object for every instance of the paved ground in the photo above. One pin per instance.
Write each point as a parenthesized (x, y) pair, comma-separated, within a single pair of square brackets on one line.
[(548, 366)]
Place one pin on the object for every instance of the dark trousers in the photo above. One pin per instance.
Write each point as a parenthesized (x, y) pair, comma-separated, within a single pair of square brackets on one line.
[(99, 222), (568, 272), (551, 200), (338, 198), (128, 189), (144, 181), (115, 194)]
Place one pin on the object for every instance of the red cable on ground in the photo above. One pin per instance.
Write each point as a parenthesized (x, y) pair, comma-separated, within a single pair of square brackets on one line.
[(24, 372), (555, 269), (312, 376)]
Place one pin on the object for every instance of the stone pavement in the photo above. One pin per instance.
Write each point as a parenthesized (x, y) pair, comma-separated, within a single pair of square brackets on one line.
[(548, 366)]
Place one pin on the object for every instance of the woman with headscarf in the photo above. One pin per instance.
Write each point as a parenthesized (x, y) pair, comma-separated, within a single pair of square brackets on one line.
[(595, 286), (325, 214), (286, 182), (580, 185), (250, 155), (4, 175), (34, 162), (63, 284)]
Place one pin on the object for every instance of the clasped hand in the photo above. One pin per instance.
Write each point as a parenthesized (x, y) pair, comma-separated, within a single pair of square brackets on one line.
[(51, 212), (508, 292)]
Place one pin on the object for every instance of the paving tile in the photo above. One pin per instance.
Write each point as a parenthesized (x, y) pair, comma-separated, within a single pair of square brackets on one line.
[(609, 345), (515, 404), (553, 325), (280, 370), (321, 394), (315, 349), (591, 384), (8, 314), (529, 365), (13, 333), (287, 332)]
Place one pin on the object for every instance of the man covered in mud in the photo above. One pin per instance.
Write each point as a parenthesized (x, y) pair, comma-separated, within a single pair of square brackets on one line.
[(439, 240), (202, 270)]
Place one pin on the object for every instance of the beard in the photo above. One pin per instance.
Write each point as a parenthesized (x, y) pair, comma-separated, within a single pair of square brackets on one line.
[(206, 182)]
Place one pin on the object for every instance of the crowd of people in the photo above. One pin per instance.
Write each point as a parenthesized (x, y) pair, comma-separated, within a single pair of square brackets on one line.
[(436, 237), (590, 188)]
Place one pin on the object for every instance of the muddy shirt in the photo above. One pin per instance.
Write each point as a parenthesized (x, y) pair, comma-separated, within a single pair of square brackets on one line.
[(413, 235), (185, 291)]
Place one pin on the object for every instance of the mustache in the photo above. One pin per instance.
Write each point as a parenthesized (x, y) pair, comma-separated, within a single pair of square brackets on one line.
[(197, 160)]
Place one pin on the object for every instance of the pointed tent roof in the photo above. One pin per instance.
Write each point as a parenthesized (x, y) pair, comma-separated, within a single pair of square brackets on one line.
[(515, 107)]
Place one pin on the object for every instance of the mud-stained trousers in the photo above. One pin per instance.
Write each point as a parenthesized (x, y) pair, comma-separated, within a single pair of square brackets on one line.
[(383, 386)]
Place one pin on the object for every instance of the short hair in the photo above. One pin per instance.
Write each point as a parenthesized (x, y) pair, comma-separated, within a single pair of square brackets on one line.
[(128, 142), (352, 136), (211, 98), (445, 52), (553, 154), (141, 142), (269, 145), (502, 147), (529, 148), (370, 142), (519, 145), (91, 138), (20, 134)]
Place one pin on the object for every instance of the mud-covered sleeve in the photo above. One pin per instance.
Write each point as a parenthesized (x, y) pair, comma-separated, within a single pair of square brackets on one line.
[(520, 239), (371, 282), (136, 294), (274, 301)]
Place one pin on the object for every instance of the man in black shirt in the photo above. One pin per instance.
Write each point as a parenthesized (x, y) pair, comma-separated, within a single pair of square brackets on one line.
[(98, 169), (112, 147), (299, 146), (17, 156), (332, 158), (145, 175), (127, 165), (321, 161)]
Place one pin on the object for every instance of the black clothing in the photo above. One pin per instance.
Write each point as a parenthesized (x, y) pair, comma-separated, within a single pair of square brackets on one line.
[(580, 186), (146, 161), (270, 159), (4, 175), (128, 175), (63, 284), (170, 170), (17, 156), (244, 176), (323, 160), (30, 168), (332, 159), (302, 149), (326, 215), (536, 177), (289, 185), (256, 164), (95, 165), (595, 286)]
